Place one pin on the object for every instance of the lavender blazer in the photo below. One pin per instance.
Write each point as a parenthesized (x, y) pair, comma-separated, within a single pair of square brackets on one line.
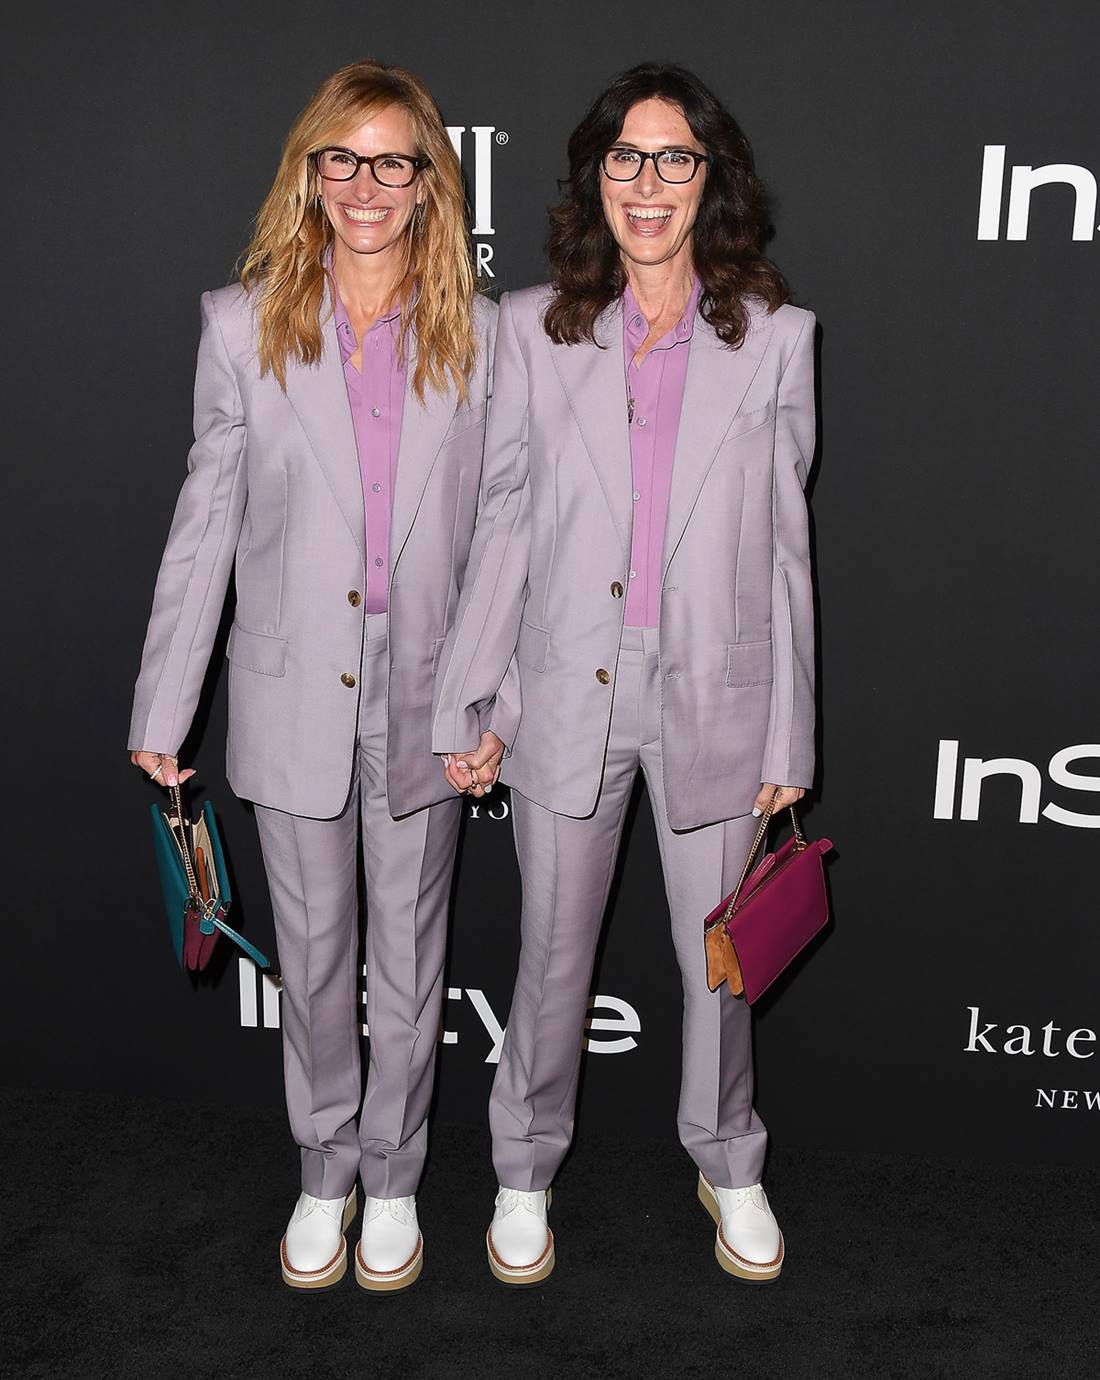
[(534, 648), (274, 496)]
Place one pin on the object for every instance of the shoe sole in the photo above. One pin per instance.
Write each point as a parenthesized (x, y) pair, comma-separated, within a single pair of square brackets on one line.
[(390, 1281), (734, 1264), (328, 1275), (523, 1275)]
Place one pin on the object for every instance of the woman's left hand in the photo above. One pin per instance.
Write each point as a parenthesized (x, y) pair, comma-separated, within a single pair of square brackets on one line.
[(788, 795)]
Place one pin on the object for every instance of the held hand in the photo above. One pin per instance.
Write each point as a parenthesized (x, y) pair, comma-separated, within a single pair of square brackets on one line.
[(161, 768), (788, 795), (475, 773)]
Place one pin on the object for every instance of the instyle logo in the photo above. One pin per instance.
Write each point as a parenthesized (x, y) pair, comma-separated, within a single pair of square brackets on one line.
[(976, 771), (610, 1032), (479, 168), (1022, 183)]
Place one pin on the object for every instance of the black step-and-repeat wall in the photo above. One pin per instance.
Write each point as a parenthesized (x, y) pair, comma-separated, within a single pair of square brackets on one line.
[(934, 171)]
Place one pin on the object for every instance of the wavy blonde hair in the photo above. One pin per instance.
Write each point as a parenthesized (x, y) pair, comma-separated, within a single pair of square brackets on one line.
[(284, 271)]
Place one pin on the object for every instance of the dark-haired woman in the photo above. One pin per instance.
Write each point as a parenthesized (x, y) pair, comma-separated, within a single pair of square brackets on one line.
[(339, 419), (642, 599)]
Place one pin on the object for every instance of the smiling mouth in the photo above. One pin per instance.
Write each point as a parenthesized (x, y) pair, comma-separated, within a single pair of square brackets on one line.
[(648, 215), (364, 215), (648, 222)]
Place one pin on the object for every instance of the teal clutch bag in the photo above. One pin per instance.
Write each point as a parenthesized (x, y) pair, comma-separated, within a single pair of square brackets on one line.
[(195, 883)]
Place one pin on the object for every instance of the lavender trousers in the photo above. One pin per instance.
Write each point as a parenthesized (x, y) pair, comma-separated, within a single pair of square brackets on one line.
[(312, 870), (566, 866)]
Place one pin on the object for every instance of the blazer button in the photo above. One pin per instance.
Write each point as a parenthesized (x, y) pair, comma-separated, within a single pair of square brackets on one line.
[(603, 676), (348, 679), (354, 598), (616, 590)]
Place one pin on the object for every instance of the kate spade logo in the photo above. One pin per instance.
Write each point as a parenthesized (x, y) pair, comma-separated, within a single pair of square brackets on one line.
[(991, 1037)]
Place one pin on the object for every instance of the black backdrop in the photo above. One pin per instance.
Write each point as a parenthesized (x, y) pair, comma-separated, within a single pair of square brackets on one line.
[(954, 503)]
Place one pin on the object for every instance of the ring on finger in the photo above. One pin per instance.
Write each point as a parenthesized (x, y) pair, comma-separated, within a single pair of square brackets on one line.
[(154, 774)]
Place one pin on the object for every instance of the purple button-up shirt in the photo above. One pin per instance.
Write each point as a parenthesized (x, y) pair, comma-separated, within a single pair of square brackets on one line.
[(376, 392), (655, 390)]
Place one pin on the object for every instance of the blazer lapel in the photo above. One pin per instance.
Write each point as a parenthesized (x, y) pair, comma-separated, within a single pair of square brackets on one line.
[(594, 380), (717, 381), (423, 427), (319, 397)]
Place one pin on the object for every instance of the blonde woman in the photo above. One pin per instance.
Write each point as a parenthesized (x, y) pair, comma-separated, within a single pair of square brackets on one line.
[(339, 415)]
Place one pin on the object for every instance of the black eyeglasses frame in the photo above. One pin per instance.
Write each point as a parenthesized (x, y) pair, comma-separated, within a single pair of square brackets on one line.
[(654, 155)]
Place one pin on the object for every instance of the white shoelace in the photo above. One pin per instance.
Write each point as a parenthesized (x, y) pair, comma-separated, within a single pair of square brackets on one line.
[(731, 1199), (508, 1199), (400, 1209), (331, 1207)]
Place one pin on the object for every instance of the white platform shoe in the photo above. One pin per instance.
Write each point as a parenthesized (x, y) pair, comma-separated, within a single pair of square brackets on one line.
[(390, 1252), (313, 1252), (749, 1244), (520, 1243)]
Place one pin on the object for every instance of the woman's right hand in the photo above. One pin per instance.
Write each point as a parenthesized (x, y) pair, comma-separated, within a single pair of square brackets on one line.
[(475, 773), (161, 767)]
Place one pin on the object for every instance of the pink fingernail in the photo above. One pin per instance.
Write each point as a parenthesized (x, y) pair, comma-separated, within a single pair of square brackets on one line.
[(756, 813), (172, 781)]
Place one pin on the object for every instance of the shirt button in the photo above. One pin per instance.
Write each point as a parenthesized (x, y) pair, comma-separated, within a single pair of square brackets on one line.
[(348, 679), (354, 598), (636, 495), (378, 560), (637, 321), (375, 412), (633, 574), (376, 488), (641, 421), (602, 676), (616, 590)]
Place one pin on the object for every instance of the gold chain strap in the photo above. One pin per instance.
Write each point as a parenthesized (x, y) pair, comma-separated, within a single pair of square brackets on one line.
[(177, 805), (765, 820), (206, 908)]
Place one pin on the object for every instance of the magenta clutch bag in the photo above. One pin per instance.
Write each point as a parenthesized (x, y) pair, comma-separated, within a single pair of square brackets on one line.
[(770, 916)]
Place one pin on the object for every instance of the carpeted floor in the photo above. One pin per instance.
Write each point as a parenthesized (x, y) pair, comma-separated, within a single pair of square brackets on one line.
[(141, 1240)]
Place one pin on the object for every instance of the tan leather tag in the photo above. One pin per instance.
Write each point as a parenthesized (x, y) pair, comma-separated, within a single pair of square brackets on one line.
[(722, 964), (734, 979), (716, 964)]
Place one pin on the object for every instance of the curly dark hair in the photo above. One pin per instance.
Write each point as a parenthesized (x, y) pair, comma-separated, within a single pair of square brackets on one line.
[(729, 231)]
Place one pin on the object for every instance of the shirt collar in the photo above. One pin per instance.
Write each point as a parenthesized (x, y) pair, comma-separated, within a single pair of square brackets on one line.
[(345, 332), (684, 328)]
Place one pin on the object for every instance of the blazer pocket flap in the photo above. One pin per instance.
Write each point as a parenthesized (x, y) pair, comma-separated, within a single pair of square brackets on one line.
[(749, 663), (533, 647), (255, 651), (748, 421)]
